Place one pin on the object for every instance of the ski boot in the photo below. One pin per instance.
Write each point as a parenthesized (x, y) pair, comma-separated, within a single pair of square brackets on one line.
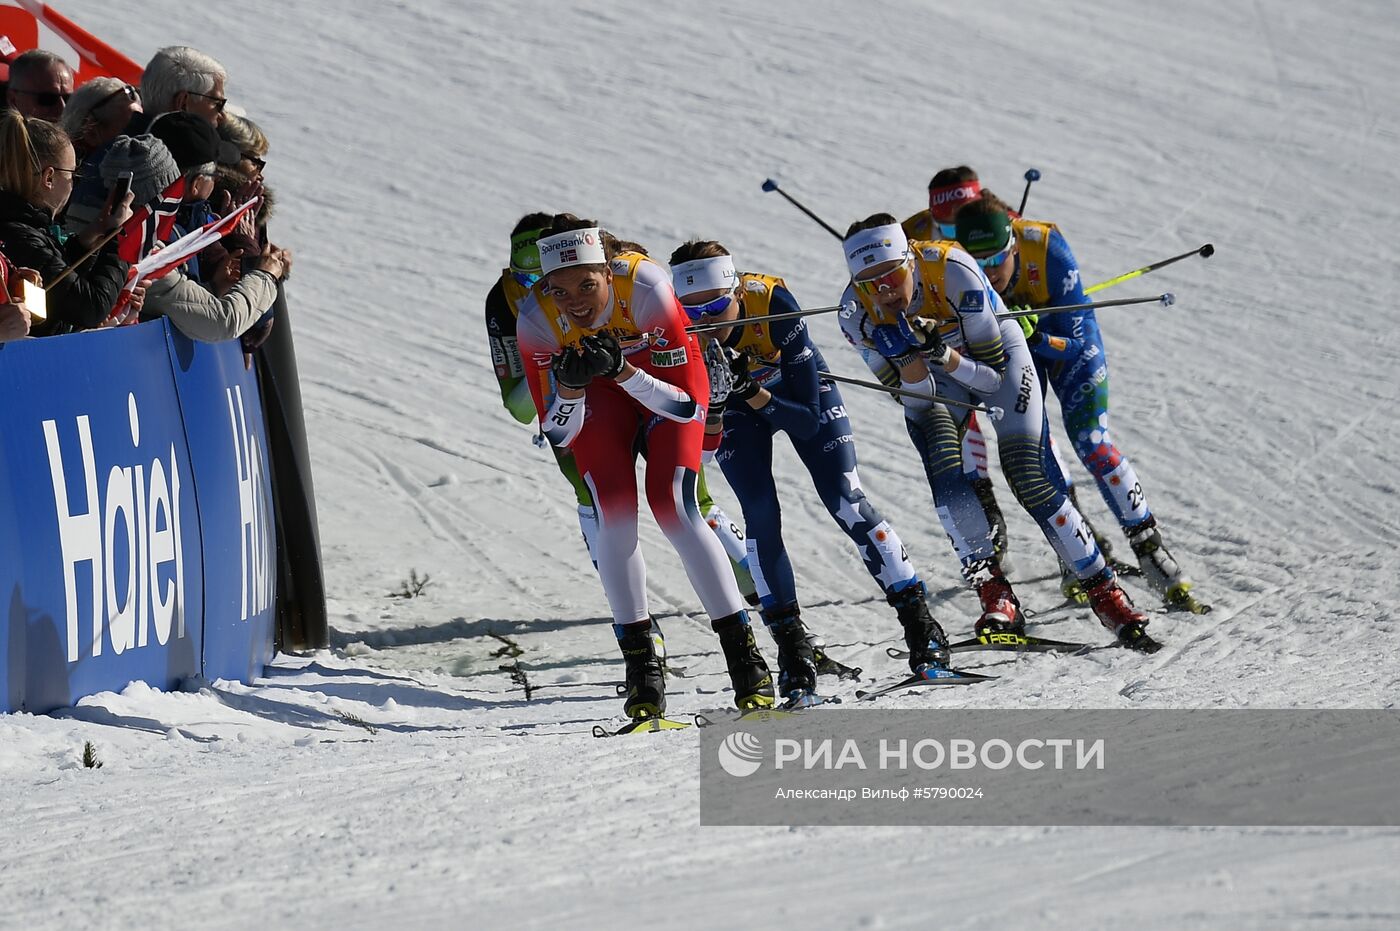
[(1115, 612), (646, 674), (827, 665), (1161, 570), (928, 644), (1070, 585), (1001, 609), (748, 673), (797, 663), (995, 519)]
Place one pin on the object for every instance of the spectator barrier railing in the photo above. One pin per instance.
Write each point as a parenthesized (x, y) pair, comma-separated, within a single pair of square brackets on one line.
[(137, 530)]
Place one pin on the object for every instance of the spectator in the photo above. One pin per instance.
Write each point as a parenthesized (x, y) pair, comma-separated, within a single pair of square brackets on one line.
[(14, 316), (182, 78), (240, 178), (200, 314), (40, 85), (37, 164), (195, 146), (248, 140), (152, 167), (14, 322), (99, 112), (195, 310)]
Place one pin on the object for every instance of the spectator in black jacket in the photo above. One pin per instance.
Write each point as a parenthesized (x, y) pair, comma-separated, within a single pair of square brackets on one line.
[(37, 164)]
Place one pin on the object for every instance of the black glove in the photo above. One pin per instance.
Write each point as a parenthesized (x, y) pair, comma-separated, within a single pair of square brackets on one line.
[(604, 354), (744, 385), (934, 349), (571, 369)]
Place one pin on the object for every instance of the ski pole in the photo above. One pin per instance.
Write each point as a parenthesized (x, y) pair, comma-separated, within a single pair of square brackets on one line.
[(1204, 252), (744, 321), (1166, 300), (1032, 176), (770, 185), (993, 412)]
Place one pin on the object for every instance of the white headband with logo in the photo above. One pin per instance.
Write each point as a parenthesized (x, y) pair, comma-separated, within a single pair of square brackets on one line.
[(578, 247), (869, 248), (712, 274)]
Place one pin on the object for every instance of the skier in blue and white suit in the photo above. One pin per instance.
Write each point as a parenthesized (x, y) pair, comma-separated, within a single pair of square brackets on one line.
[(764, 379), (928, 309)]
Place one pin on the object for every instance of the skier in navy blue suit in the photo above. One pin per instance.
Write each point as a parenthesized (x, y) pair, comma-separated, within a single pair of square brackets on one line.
[(764, 378)]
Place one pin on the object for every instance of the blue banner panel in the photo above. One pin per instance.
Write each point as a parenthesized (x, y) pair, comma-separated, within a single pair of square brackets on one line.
[(106, 514), (228, 448)]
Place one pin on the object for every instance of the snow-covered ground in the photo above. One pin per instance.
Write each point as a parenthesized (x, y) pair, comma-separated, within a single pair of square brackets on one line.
[(402, 777)]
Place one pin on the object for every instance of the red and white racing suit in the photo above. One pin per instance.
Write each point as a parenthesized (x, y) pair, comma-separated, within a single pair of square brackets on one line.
[(660, 409)]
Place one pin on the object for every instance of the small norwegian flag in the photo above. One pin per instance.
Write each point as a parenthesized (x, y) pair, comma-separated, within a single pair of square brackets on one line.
[(162, 262), (150, 224)]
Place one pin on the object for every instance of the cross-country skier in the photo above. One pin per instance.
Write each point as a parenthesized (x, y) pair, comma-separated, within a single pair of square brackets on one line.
[(502, 311), (948, 190), (928, 309), (1039, 270), (764, 379), (602, 401)]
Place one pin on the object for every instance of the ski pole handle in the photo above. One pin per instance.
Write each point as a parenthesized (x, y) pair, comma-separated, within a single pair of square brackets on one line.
[(1032, 176), (1204, 252)]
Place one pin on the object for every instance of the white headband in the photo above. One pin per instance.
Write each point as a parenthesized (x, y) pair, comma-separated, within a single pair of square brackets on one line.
[(578, 247), (871, 247), (712, 274)]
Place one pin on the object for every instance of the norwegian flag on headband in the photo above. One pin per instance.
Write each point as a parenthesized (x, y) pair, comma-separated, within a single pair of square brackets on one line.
[(162, 262), (150, 224)]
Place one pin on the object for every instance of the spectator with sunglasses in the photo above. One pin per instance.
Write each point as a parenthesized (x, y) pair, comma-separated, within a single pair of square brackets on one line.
[(97, 114), (40, 85), (239, 174), (765, 377), (1030, 264), (37, 165), (248, 140), (603, 402), (185, 79), (928, 308)]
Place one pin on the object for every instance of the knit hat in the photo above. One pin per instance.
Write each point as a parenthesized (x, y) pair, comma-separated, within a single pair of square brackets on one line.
[(983, 228), (146, 157), (192, 141)]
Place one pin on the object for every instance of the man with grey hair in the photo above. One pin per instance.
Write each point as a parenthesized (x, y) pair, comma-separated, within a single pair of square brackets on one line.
[(40, 85), (182, 78)]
